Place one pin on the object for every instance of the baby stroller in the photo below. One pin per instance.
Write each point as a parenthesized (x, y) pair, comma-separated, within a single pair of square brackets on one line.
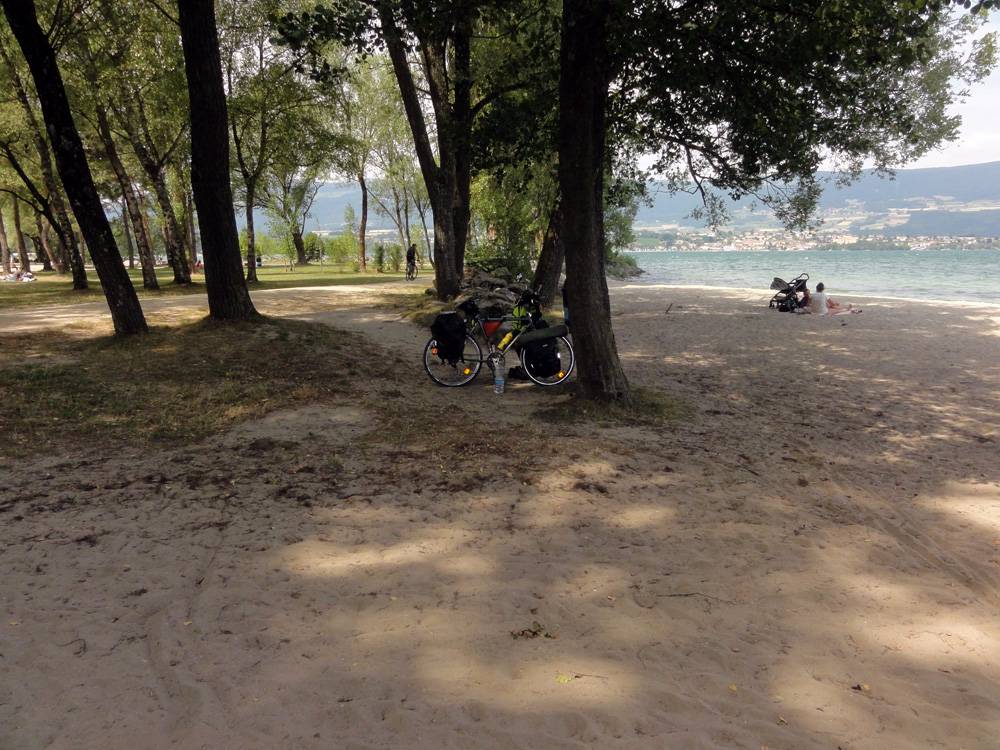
[(786, 297)]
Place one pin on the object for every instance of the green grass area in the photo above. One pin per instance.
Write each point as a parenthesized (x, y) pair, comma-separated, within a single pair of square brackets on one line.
[(53, 289), (177, 384)]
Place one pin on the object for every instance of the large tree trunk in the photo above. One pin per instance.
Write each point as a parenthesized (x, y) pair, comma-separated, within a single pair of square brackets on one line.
[(190, 235), (71, 162), (22, 248), (439, 180), (300, 248), (462, 135), (363, 226), (4, 247), (135, 212), (228, 297), (550, 260), (127, 236), (251, 238), (69, 254), (171, 229), (50, 260), (583, 94)]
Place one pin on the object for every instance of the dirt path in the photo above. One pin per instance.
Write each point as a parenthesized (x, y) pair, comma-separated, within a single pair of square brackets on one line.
[(810, 560)]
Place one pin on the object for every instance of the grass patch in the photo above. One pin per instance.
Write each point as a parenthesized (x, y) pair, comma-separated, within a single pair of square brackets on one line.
[(53, 289), (647, 407), (177, 384)]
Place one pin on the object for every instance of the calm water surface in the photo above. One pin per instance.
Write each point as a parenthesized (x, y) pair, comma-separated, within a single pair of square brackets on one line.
[(954, 275)]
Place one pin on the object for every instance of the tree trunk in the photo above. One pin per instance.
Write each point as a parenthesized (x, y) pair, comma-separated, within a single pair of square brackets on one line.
[(71, 162), (228, 297), (4, 247), (583, 93), (127, 237), (50, 260), (22, 249), (69, 254), (251, 238), (550, 260), (462, 136), (171, 229), (300, 248), (192, 239), (363, 227), (439, 180), (135, 212)]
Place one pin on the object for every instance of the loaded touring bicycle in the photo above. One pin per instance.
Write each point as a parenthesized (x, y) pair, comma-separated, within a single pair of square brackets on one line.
[(454, 355)]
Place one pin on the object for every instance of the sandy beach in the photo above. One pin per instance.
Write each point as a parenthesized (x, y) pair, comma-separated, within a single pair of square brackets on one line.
[(809, 558)]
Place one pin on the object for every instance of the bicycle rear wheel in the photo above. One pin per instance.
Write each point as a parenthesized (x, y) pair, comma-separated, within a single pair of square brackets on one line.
[(546, 375), (453, 375)]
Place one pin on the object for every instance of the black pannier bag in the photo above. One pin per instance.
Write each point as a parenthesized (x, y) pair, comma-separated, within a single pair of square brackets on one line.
[(448, 330), (541, 358)]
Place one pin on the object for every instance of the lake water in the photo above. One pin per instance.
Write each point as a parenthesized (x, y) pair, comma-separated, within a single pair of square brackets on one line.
[(953, 275)]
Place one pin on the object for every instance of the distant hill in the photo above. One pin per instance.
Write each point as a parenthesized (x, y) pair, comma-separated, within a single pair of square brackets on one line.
[(940, 201)]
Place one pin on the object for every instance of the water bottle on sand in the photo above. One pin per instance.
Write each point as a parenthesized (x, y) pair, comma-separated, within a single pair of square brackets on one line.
[(498, 375)]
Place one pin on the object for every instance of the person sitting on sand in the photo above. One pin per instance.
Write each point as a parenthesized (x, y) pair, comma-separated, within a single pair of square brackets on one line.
[(802, 305), (821, 304)]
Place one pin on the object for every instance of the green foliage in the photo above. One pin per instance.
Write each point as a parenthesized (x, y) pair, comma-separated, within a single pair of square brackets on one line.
[(749, 99), (395, 257), (343, 248), (314, 245), (380, 257)]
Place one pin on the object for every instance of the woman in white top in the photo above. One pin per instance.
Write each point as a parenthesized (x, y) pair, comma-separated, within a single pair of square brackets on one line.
[(821, 304)]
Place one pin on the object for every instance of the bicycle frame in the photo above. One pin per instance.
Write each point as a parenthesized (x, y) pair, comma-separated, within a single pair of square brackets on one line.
[(492, 350)]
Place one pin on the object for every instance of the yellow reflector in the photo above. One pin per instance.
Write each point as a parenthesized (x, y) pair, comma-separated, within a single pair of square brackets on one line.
[(562, 374), (466, 371)]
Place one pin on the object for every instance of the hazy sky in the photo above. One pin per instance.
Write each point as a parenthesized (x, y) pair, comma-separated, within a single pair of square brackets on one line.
[(980, 137)]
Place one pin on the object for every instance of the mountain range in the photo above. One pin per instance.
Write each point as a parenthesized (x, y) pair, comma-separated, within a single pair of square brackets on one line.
[(963, 200)]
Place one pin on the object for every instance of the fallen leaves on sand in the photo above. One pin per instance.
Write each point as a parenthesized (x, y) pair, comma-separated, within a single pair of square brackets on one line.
[(861, 687), (535, 631)]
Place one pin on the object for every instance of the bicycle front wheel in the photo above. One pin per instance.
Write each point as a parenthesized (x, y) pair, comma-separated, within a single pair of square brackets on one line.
[(552, 367), (449, 374)]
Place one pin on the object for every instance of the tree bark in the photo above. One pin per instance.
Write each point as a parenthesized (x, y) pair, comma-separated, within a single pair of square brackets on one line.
[(69, 251), (462, 135), (4, 247), (550, 260), (135, 212), (300, 248), (127, 235), (228, 297), (50, 260), (583, 92), (171, 229), (363, 226), (439, 180), (251, 238), (22, 250), (189, 229), (71, 163)]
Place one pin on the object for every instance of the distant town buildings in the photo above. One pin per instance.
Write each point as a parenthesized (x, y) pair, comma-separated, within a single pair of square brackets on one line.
[(703, 240)]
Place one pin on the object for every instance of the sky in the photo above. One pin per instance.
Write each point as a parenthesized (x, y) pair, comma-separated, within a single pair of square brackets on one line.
[(980, 135)]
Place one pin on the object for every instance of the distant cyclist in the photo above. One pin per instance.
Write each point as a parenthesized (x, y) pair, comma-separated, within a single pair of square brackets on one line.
[(411, 261)]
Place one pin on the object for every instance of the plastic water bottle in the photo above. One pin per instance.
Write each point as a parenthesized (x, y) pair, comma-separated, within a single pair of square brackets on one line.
[(498, 375)]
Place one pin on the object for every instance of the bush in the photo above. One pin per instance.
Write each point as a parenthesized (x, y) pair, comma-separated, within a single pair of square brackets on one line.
[(395, 257), (379, 258), (490, 257), (622, 266)]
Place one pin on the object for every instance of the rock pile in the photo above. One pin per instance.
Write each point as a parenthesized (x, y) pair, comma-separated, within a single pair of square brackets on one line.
[(494, 292)]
